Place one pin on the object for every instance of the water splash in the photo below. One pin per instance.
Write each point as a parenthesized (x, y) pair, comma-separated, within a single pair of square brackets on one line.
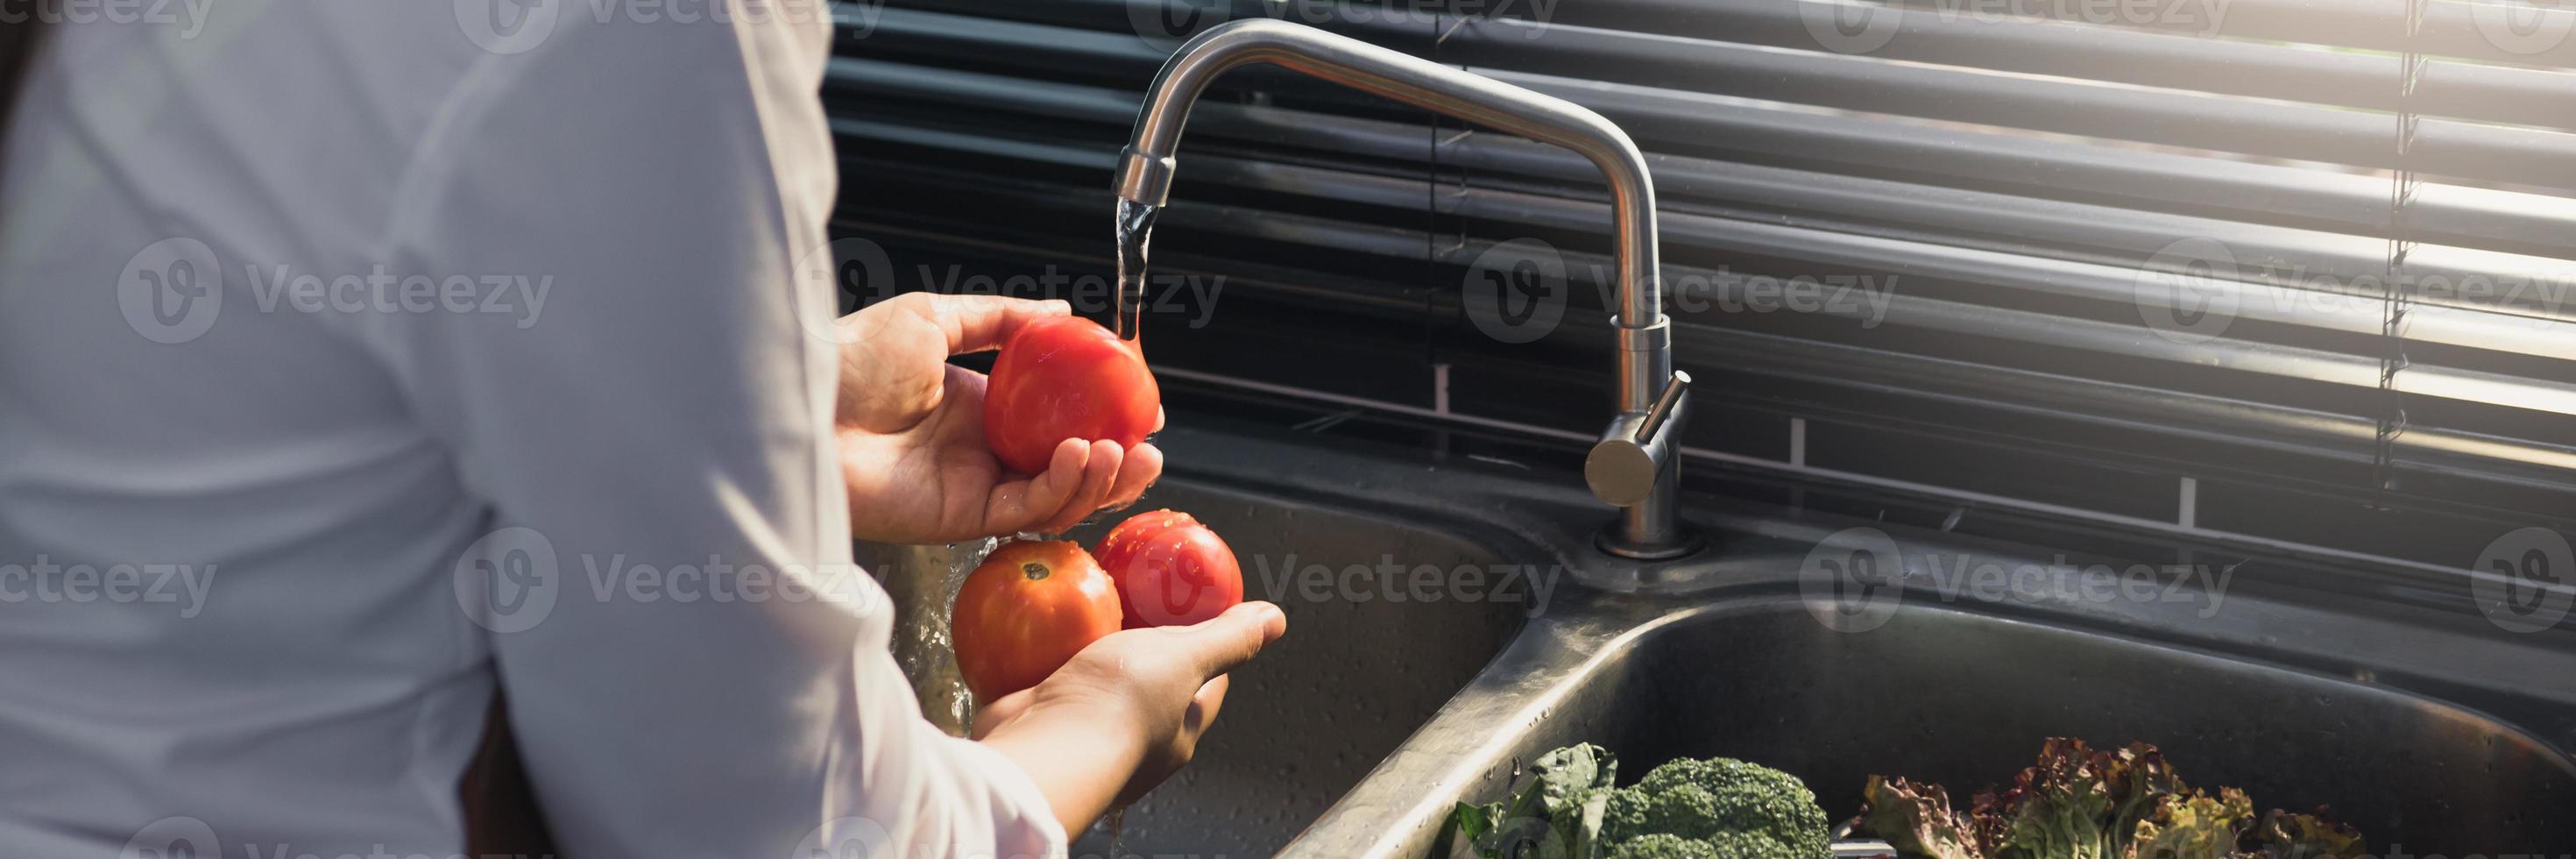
[(929, 656), (1135, 229), (1116, 824)]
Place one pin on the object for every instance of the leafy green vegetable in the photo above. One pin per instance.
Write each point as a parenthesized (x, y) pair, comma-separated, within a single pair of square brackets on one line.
[(2079, 803), (1558, 813), (1575, 784), (2141, 779), (2301, 836), (1687, 809), (2194, 826), (2060, 807), (1917, 821), (1467, 820)]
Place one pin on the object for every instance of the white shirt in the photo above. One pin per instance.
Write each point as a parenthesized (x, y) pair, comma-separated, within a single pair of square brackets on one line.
[(445, 298)]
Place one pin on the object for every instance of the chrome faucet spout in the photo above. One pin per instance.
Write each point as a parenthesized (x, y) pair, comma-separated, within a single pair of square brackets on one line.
[(1640, 442)]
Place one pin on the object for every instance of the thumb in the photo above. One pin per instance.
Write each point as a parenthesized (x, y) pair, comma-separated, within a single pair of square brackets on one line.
[(979, 323), (1228, 640)]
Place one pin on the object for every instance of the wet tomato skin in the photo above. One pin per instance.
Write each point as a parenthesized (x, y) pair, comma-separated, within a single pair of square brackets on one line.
[(1026, 611), (1066, 377), (1170, 569)]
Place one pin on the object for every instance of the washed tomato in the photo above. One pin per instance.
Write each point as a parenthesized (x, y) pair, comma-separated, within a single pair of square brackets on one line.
[(1170, 569), (1066, 377), (1026, 610)]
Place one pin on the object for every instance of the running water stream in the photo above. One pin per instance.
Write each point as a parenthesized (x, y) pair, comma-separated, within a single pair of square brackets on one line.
[(1135, 228), (928, 656), (1133, 231), (1115, 823)]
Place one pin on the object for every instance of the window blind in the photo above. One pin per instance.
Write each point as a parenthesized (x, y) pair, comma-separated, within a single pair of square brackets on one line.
[(2316, 254)]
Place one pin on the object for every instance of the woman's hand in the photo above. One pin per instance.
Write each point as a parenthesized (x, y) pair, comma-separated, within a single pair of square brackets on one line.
[(911, 430), (1126, 712)]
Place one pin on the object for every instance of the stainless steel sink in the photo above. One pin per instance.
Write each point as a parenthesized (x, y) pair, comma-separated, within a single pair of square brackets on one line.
[(1963, 699), (2385, 697)]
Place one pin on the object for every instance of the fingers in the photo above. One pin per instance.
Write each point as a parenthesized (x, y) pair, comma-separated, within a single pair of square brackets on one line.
[(1203, 706), (975, 323), (1083, 478), (1027, 505), (1228, 640), (1142, 467), (1098, 474)]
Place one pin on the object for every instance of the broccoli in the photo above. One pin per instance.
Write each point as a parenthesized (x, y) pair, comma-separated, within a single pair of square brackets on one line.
[(1667, 846), (1688, 809), (1727, 845), (1728, 807)]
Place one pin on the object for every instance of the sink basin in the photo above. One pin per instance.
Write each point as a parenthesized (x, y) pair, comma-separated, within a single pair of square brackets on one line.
[(2382, 694), (1356, 674), (1962, 699)]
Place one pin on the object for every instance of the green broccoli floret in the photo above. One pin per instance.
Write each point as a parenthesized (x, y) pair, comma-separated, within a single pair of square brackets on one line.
[(1718, 808), (1729, 845), (1663, 846)]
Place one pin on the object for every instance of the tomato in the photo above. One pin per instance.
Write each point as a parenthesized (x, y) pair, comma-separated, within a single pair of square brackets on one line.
[(1026, 610), (1066, 377), (1170, 569)]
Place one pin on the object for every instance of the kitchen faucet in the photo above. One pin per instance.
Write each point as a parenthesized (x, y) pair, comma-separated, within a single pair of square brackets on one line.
[(1635, 466)]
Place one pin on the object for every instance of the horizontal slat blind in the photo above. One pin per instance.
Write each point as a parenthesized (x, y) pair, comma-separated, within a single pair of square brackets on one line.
[(2024, 188)]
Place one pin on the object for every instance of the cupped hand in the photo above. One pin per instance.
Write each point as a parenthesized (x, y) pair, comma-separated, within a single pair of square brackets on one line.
[(911, 430), (1159, 687)]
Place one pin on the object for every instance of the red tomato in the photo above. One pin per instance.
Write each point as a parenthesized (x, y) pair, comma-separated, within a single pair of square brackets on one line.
[(1170, 569), (1066, 377), (1026, 610)]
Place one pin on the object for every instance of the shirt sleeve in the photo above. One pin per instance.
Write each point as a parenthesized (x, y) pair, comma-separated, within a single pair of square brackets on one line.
[(694, 665)]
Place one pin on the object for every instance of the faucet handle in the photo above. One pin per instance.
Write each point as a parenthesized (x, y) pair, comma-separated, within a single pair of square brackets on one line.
[(1637, 447), (1666, 402)]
